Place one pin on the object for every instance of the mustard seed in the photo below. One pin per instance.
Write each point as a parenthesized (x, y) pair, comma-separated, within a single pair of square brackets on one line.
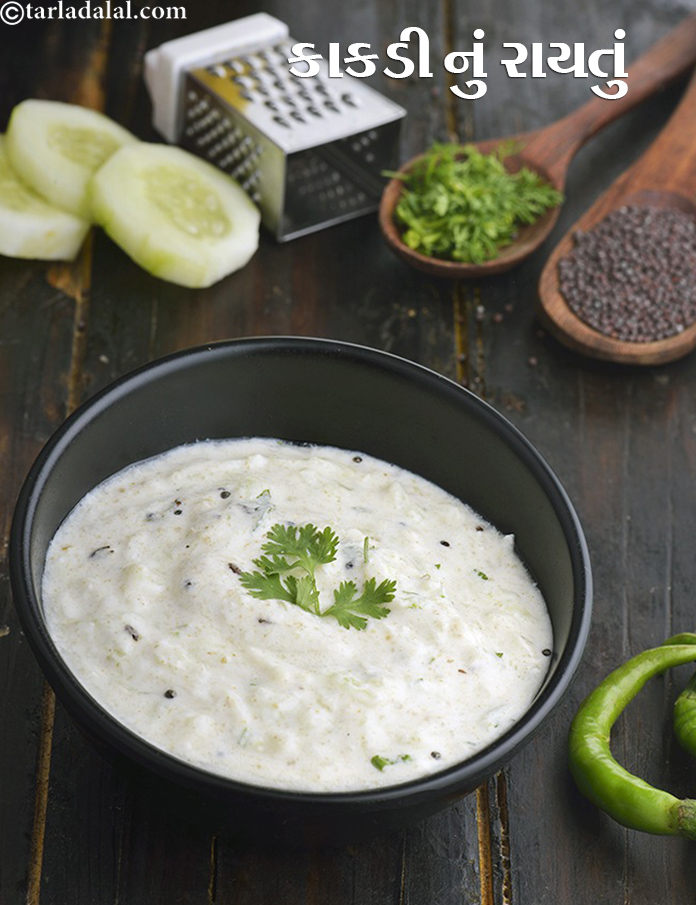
[(633, 277)]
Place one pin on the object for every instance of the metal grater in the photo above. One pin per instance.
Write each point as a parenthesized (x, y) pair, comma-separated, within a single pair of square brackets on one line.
[(309, 151)]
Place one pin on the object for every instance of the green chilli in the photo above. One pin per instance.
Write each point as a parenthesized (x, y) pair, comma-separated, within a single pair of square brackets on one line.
[(626, 798)]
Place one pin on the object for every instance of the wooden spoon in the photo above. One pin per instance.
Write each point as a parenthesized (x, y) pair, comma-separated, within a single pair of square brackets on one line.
[(550, 150), (665, 177)]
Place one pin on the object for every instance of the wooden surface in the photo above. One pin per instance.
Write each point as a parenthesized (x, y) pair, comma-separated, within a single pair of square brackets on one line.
[(622, 440)]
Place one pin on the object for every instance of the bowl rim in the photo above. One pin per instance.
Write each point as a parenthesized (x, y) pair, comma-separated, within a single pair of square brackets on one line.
[(462, 775)]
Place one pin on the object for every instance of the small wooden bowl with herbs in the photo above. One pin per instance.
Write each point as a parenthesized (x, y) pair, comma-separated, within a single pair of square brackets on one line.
[(463, 211), (477, 210)]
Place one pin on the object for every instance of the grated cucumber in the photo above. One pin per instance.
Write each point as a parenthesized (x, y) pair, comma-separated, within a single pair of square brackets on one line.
[(29, 226), (178, 217)]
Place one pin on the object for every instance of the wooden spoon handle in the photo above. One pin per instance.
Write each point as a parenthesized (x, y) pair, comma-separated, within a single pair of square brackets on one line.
[(670, 163), (664, 62)]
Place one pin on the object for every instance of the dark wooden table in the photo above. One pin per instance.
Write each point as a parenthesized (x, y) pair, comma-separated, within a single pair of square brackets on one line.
[(72, 830)]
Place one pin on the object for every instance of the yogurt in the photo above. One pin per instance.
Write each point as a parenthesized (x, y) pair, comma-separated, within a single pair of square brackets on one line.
[(145, 597)]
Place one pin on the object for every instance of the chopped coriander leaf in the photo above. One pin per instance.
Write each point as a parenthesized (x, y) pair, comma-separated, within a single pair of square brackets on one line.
[(481, 574), (461, 205), (381, 762)]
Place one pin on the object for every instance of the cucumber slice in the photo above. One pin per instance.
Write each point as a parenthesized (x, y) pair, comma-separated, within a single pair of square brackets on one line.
[(55, 148), (177, 216), (31, 228)]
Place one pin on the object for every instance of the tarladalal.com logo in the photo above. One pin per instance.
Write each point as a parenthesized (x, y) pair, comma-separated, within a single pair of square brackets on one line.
[(12, 12)]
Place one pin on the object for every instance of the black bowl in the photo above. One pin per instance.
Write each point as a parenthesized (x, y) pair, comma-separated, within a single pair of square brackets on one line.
[(323, 392)]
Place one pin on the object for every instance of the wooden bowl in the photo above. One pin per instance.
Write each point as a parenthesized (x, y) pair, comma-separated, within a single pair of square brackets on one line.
[(664, 177), (528, 239)]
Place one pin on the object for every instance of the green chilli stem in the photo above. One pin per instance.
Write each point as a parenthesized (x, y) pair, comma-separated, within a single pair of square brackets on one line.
[(629, 800)]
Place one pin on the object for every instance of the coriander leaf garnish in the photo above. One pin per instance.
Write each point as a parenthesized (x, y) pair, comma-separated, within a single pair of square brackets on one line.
[(267, 586), (306, 594), (290, 549), (352, 609), (311, 546)]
